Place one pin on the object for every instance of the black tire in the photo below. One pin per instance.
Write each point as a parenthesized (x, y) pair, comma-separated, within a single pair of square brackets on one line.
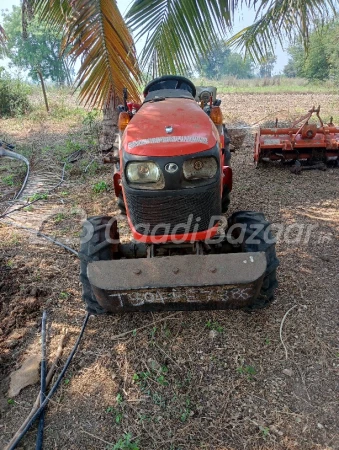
[(259, 243), (95, 249), (121, 204), (226, 199)]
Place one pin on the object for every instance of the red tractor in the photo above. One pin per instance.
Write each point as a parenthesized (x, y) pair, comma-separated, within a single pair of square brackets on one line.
[(173, 180)]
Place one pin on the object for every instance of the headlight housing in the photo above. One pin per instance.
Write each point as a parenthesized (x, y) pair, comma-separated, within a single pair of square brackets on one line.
[(143, 172), (200, 168), (144, 175)]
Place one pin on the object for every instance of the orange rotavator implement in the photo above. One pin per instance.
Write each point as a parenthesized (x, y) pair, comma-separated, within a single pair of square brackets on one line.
[(303, 141)]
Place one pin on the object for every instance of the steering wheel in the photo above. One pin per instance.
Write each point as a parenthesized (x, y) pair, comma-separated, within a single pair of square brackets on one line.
[(180, 81)]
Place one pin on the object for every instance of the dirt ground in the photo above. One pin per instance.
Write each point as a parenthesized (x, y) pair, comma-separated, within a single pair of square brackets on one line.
[(184, 380)]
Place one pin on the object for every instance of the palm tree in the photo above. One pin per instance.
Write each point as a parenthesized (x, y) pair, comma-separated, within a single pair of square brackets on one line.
[(281, 20), (177, 33), (95, 32)]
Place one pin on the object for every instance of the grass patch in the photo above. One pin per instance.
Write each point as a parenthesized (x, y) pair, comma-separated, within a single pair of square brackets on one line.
[(265, 431), (274, 85), (59, 217), (12, 239), (214, 326), (249, 371), (38, 196), (63, 151), (100, 186), (9, 180), (125, 443), (62, 102), (186, 412)]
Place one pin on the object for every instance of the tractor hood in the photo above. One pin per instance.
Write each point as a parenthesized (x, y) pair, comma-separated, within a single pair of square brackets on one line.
[(169, 127)]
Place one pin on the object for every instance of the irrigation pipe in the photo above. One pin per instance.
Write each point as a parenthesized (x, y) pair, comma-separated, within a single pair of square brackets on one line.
[(13, 155), (53, 389), (45, 236), (37, 401), (10, 154), (40, 435)]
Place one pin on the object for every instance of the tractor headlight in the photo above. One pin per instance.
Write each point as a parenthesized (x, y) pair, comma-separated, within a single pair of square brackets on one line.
[(205, 96), (143, 172), (199, 168)]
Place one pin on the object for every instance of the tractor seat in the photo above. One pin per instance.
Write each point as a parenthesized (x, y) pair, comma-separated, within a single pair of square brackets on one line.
[(162, 94), (170, 83)]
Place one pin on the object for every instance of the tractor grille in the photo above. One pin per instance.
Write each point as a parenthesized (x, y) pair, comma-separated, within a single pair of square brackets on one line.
[(164, 213)]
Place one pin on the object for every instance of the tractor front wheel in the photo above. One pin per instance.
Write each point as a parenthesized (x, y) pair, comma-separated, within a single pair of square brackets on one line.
[(96, 247), (225, 200), (121, 204)]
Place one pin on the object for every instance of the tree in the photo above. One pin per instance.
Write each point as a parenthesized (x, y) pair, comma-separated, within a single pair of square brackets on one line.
[(221, 61), (239, 67), (320, 61), (38, 52), (290, 70), (332, 51), (266, 65)]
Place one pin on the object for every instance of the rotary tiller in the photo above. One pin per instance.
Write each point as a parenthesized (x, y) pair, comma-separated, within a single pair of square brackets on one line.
[(303, 141)]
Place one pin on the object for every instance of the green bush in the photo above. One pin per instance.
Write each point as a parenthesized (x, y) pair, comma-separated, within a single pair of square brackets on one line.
[(13, 96)]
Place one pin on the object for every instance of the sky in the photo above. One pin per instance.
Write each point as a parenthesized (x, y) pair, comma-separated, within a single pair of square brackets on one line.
[(244, 18)]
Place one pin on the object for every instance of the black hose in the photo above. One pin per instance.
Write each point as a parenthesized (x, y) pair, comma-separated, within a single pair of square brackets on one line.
[(40, 435), (54, 388), (45, 236), (10, 154)]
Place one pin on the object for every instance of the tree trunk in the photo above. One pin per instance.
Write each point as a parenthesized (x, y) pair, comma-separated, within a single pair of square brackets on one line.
[(109, 125), (67, 71), (43, 88)]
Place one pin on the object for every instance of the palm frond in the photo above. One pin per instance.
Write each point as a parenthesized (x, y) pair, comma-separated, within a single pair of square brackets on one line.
[(279, 20), (179, 32), (57, 14), (95, 32)]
